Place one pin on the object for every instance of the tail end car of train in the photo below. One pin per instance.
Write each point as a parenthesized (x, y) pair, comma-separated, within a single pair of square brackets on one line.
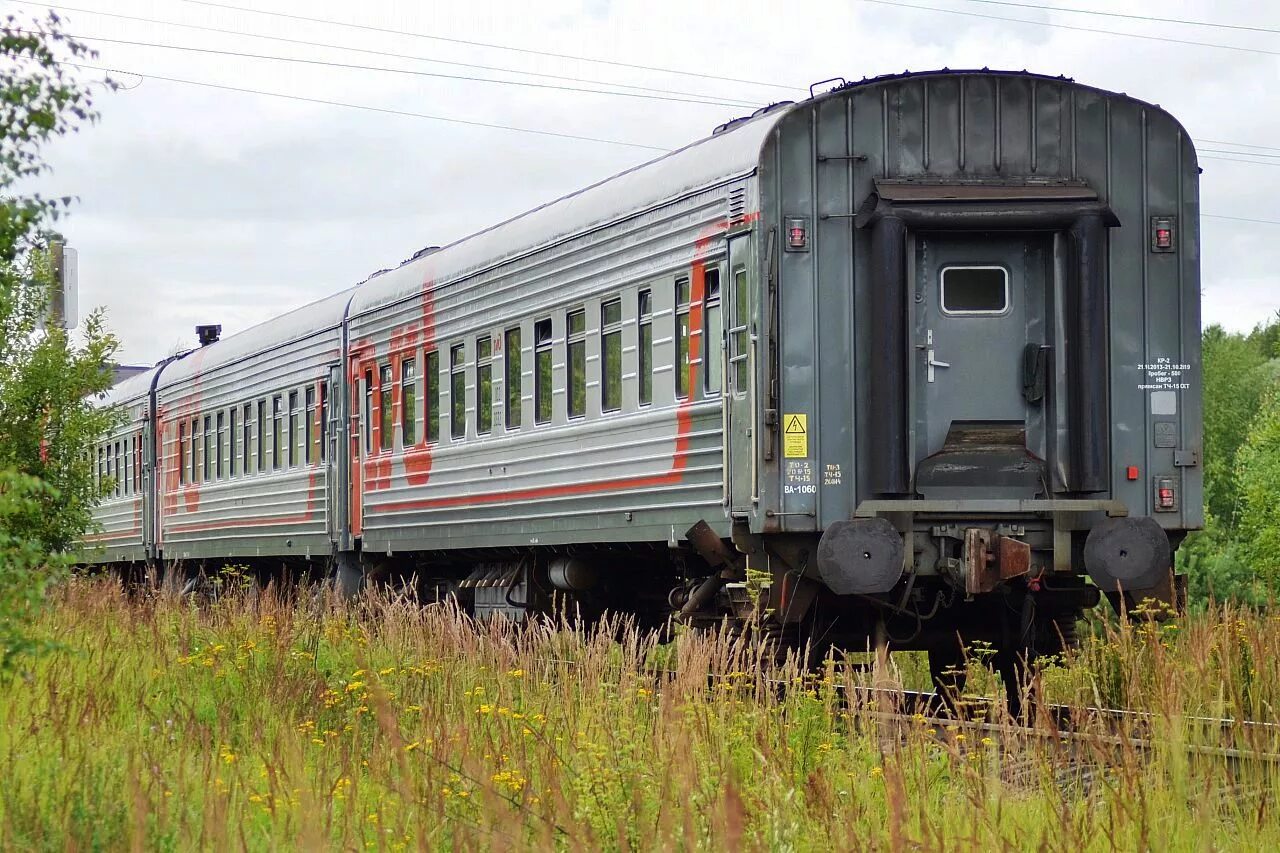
[(923, 350)]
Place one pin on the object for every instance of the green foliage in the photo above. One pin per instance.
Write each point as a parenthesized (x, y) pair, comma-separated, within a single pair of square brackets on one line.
[(47, 422), (250, 723), (1258, 476), (25, 564), (1232, 390), (1237, 556)]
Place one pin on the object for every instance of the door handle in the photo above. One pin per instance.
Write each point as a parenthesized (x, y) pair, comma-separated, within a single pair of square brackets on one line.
[(932, 362)]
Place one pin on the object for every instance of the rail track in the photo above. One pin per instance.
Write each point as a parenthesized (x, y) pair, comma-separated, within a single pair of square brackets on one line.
[(1081, 729)]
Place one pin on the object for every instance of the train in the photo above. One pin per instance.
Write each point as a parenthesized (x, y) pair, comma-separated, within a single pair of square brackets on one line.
[(913, 363)]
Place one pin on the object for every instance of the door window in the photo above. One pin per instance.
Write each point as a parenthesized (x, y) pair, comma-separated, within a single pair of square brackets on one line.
[(975, 290)]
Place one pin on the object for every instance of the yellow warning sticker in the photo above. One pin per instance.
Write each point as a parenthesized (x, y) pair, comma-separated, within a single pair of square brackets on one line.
[(795, 436)]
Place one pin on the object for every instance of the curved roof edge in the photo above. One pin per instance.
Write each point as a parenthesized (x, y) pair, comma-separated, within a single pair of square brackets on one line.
[(706, 162), (298, 324)]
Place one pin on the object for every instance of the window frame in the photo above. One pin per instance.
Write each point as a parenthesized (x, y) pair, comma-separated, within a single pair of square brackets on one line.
[(458, 392), (182, 454), (739, 332), (219, 468), (206, 464), (712, 311), (544, 387), (232, 431), (610, 336), (277, 432), (431, 401), (575, 377), (942, 291), (261, 441), (644, 346), (682, 358), (408, 401), (246, 427), (309, 425), (484, 384), (512, 379)]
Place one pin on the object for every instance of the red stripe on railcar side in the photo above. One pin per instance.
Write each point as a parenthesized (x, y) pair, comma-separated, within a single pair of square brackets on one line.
[(684, 417)]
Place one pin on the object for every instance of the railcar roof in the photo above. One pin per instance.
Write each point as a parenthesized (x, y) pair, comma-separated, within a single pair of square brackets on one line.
[(707, 162), (292, 326), (136, 386)]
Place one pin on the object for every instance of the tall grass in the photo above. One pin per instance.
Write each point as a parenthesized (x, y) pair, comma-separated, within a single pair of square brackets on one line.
[(257, 723)]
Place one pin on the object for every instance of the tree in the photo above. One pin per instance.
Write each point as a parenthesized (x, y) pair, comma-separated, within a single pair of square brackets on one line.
[(47, 422), (1258, 475), (1232, 392)]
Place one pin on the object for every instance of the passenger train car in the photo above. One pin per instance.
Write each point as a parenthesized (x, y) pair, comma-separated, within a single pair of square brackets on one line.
[(923, 348)]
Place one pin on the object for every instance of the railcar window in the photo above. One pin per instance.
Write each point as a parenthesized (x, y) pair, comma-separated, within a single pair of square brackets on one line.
[(386, 414), (102, 470), (196, 446), (432, 369), (542, 371), (294, 452), (208, 448), (713, 333), (367, 422), (682, 337), (262, 436), (309, 427), (975, 290), (128, 466), (182, 455), (233, 455), (221, 470), (137, 462), (644, 315), (576, 362), (409, 401), (611, 355), (458, 391), (277, 432), (324, 418), (247, 440), (738, 331), (484, 385), (511, 368)]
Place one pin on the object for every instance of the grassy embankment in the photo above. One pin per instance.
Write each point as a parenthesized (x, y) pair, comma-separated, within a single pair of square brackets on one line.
[(250, 723)]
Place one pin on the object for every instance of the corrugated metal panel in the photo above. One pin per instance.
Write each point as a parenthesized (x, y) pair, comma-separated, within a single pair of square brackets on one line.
[(649, 187)]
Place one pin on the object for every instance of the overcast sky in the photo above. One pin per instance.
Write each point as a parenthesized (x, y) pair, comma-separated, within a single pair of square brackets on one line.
[(200, 205)]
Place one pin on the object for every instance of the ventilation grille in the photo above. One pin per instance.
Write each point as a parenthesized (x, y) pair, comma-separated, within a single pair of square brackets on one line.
[(737, 205)]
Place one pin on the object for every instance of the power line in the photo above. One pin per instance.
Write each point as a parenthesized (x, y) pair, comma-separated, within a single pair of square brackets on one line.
[(1238, 160), (368, 108), (1148, 18), (417, 58), (1239, 153), (1240, 219), (469, 43), (406, 71), (392, 54), (1237, 144), (1058, 26)]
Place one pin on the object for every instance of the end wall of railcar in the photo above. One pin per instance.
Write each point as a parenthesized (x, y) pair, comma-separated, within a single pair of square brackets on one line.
[(820, 167)]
